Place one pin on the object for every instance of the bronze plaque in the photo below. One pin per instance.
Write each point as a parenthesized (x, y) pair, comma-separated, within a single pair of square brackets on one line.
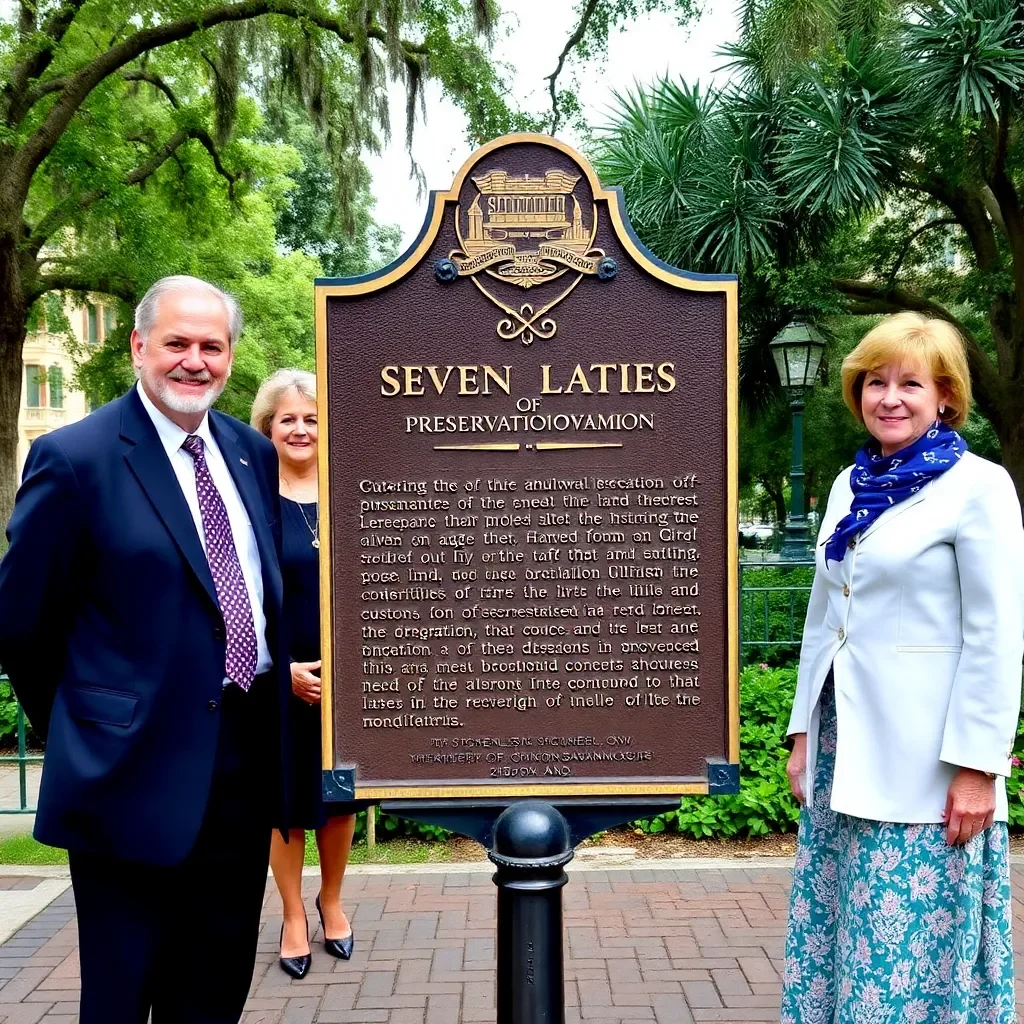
[(528, 491)]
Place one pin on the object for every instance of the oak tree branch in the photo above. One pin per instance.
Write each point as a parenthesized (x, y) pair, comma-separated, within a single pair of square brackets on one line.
[(36, 63), (41, 142), (937, 222), (62, 213), (74, 281), (572, 42), (155, 80)]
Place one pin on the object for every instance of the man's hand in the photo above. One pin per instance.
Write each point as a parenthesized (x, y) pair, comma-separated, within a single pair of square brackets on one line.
[(306, 681), (797, 765), (970, 805)]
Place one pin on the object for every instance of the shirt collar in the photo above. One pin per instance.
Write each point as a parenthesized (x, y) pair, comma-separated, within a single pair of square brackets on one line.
[(171, 435)]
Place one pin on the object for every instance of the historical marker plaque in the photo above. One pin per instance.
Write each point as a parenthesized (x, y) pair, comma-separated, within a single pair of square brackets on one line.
[(528, 495)]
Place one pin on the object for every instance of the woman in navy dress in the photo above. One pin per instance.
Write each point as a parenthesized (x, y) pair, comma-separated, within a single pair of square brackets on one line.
[(285, 411)]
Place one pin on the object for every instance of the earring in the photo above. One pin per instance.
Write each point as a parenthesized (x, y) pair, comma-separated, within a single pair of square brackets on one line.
[(942, 410)]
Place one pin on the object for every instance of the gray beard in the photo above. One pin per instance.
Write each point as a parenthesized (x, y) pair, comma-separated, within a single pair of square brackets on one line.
[(183, 403)]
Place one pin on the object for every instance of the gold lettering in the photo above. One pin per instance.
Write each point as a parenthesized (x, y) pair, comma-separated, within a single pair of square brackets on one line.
[(467, 381), (545, 376), (645, 378), (602, 369), (413, 380), (389, 375), (624, 380), (579, 379), (439, 382), (667, 377), (503, 381)]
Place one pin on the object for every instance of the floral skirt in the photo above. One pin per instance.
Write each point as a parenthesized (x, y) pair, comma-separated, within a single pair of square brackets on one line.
[(888, 924)]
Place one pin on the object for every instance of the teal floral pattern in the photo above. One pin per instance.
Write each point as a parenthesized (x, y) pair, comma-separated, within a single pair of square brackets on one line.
[(888, 924)]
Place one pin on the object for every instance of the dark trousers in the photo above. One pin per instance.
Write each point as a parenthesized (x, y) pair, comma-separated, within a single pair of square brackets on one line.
[(181, 941)]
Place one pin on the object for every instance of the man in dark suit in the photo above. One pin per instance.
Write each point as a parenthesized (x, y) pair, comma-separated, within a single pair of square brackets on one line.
[(140, 624)]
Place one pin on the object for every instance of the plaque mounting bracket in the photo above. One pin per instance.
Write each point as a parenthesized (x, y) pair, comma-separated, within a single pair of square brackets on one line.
[(339, 784), (723, 777)]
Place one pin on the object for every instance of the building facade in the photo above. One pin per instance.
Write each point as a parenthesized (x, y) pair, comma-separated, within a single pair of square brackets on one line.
[(47, 401)]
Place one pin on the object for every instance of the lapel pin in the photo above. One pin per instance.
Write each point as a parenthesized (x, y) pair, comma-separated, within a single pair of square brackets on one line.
[(243, 462)]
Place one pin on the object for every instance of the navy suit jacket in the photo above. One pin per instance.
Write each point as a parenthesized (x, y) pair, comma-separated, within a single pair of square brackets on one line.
[(114, 642)]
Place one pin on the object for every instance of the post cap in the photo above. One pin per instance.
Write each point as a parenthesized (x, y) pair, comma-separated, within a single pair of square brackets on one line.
[(531, 830)]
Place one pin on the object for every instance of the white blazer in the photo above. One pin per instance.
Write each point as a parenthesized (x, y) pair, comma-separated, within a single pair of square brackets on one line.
[(923, 625)]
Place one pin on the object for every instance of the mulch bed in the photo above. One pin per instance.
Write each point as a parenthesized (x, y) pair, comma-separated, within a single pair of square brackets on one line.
[(662, 845)]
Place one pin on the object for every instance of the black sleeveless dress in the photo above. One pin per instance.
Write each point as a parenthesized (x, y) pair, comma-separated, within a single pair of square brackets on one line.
[(301, 572)]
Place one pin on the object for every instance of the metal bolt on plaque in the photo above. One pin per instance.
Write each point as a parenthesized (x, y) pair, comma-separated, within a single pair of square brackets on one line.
[(529, 498)]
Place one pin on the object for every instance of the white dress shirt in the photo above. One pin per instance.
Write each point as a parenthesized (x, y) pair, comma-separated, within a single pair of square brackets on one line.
[(172, 437)]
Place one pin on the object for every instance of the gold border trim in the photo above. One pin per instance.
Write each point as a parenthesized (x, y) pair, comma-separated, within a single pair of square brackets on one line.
[(534, 789), (324, 512), (732, 512), (409, 260)]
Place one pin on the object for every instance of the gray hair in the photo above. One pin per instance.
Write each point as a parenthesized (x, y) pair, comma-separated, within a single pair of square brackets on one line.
[(273, 389), (146, 310)]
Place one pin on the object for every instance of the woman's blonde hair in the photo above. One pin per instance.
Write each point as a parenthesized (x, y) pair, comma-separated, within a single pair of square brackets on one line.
[(911, 338), (273, 389)]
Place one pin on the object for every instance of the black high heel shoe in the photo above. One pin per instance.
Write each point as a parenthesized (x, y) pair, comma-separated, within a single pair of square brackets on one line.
[(296, 966), (340, 948)]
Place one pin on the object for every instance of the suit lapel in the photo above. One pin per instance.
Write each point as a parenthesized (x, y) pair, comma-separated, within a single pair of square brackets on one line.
[(148, 460), (239, 462), (897, 510)]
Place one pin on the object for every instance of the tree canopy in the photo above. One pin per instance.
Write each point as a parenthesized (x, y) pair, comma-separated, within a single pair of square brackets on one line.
[(866, 158)]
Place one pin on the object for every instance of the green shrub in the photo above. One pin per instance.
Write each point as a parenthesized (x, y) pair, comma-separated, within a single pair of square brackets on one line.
[(8, 715), (1015, 783), (764, 803), (9, 720), (391, 826)]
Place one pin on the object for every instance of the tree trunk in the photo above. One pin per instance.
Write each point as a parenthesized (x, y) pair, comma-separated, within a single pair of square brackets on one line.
[(12, 340), (1011, 437), (774, 487)]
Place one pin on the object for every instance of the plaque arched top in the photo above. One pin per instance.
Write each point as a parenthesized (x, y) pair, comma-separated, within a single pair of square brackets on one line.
[(438, 204)]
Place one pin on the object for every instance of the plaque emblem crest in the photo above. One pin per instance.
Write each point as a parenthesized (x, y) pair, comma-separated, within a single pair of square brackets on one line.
[(525, 232)]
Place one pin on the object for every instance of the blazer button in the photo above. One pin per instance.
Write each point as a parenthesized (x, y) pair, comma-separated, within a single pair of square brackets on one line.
[(218, 633), (846, 590), (852, 544), (212, 706), (842, 633)]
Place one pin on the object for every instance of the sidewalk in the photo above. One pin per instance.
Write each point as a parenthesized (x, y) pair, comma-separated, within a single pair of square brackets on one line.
[(10, 797), (666, 945)]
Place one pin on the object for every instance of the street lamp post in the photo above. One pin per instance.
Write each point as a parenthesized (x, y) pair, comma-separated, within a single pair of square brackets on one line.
[(797, 350)]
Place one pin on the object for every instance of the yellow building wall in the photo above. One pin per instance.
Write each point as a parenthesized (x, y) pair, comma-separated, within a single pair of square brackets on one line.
[(46, 350)]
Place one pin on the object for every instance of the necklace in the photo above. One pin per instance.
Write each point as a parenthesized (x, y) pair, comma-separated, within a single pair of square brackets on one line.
[(314, 530)]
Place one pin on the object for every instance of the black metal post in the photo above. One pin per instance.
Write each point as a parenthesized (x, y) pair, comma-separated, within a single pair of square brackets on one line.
[(532, 844), (796, 539)]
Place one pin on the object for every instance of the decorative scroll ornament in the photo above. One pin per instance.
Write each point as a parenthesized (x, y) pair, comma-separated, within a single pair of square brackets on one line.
[(543, 216)]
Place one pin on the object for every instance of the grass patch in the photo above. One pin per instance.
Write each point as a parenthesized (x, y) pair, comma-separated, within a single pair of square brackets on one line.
[(25, 850), (394, 851)]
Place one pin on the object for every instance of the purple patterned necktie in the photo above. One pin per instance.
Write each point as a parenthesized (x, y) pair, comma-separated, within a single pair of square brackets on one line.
[(232, 596)]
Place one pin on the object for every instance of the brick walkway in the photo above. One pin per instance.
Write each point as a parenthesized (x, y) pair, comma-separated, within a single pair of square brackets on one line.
[(663, 946)]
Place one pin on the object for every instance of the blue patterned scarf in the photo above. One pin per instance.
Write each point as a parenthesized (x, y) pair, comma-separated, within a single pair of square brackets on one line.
[(879, 481)]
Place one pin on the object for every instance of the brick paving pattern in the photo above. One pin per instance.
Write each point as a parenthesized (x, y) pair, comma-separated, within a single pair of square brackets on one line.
[(661, 946)]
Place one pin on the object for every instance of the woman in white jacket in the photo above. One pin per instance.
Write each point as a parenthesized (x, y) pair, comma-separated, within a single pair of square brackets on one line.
[(906, 709)]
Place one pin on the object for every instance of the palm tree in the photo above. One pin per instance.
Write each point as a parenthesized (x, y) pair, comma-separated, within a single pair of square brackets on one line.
[(856, 142)]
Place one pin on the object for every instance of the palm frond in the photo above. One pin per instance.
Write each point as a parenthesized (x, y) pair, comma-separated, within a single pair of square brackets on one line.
[(845, 130), (967, 53)]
